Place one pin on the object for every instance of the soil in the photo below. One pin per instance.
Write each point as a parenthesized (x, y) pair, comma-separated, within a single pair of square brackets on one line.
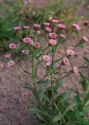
[(14, 99)]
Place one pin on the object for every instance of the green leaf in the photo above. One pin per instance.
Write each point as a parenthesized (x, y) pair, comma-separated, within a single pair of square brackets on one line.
[(56, 118), (34, 110), (86, 59), (86, 99), (58, 84), (69, 108), (28, 86), (78, 102), (80, 44), (64, 97), (83, 82)]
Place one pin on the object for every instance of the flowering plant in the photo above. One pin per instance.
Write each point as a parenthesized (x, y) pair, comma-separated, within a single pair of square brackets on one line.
[(57, 102)]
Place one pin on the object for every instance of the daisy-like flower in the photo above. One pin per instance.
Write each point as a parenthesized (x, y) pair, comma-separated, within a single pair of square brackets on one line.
[(86, 22), (47, 24), (1, 65), (25, 52), (55, 21), (76, 26), (26, 27), (62, 36), (46, 58), (61, 26), (11, 63), (85, 39), (36, 45), (38, 32), (53, 35), (48, 63), (48, 29), (27, 40), (37, 26), (70, 51), (17, 28), (52, 42), (12, 46), (65, 61), (7, 55), (75, 69)]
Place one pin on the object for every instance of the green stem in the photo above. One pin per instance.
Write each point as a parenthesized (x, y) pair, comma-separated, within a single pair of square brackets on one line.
[(51, 77), (33, 74)]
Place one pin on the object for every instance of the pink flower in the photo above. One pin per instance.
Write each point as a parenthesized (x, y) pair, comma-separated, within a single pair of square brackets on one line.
[(8, 55), (61, 26), (53, 35), (48, 63), (37, 26), (25, 52), (38, 32), (86, 22), (46, 24), (65, 61), (46, 58), (75, 69), (17, 28), (55, 21), (1, 65), (10, 63), (85, 39), (70, 51), (26, 27), (76, 26), (62, 36), (48, 29), (27, 40), (36, 45), (52, 42), (12, 46)]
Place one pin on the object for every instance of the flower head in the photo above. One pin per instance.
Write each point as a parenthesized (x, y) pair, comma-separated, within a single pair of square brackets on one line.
[(61, 26), (62, 36), (47, 60), (7, 55), (76, 26), (85, 39), (1, 65), (52, 42), (27, 40), (75, 69), (48, 29), (86, 22), (17, 28), (26, 27), (36, 45), (55, 21), (70, 51), (53, 35), (12, 46), (37, 26), (10, 63), (46, 24), (65, 61), (25, 52)]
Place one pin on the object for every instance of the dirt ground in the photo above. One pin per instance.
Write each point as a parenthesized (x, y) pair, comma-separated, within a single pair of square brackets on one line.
[(14, 99)]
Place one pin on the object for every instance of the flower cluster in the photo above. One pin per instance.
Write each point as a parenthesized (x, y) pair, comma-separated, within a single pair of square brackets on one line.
[(55, 32)]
